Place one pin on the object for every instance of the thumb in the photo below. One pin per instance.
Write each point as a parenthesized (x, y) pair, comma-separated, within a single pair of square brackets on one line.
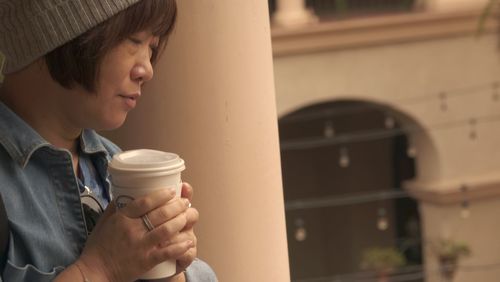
[(109, 211)]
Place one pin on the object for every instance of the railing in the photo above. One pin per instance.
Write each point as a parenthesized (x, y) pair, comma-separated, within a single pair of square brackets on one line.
[(348, 8), (351, 8), (403, 274)]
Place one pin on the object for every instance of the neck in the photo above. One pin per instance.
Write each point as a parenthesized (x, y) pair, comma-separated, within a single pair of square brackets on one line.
[(36, 103)]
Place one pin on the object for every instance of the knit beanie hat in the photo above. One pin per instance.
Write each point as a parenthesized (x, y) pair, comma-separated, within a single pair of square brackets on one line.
[(29, 29)]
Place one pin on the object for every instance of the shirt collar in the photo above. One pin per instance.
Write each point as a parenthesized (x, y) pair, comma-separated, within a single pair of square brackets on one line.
[(20, 140), (91, 143)]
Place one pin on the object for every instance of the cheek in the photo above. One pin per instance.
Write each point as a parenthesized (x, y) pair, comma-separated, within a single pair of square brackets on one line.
[(114, 76), (115, 69), (112, 84)]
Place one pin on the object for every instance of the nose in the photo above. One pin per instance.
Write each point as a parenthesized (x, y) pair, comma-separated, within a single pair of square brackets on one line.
[(142, 71)]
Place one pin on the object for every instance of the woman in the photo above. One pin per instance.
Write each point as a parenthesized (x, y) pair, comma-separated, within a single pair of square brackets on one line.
[(73, 67)]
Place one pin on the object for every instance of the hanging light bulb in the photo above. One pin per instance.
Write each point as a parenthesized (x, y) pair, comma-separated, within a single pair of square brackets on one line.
[(300, 230), (443, 104), (411, 150), (344, 160), (472, 133), (465, 211), (389, 122), (382, 221), (329, 130), (495, 95)]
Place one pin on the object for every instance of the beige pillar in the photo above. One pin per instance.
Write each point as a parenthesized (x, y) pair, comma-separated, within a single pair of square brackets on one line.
[(293, 13), (212, 101), (453, 5)]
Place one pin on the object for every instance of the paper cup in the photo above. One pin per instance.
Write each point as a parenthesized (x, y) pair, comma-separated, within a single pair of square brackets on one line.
[(141, 172)]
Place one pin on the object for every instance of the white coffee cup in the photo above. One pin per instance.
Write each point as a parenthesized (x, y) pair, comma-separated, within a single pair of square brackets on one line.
[(140, 172)]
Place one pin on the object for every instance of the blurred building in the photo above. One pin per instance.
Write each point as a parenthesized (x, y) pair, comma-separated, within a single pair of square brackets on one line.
[(389, 118)]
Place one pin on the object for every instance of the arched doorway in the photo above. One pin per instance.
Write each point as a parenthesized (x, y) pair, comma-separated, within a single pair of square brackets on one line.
[(343, 166)]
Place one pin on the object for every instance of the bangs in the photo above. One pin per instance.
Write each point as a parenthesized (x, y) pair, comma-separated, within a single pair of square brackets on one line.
[(155, 15), (159, 16)]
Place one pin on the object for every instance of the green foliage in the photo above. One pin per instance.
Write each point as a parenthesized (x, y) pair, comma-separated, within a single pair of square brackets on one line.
[(488, 10), (382, 259), (447, 248), (341, 6)]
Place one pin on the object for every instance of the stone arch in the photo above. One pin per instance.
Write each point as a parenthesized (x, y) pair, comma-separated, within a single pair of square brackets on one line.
[(428, 159), (425, 164)]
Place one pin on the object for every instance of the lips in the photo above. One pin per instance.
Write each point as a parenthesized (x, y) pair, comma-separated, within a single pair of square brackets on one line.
[(130, 100), (133, 96)]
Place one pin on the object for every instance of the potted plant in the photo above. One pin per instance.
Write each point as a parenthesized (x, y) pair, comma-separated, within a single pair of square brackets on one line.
[(383, 261), (449, 252)]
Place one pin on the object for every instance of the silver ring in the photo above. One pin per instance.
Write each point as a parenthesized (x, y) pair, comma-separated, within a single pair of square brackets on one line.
[(147, 223)]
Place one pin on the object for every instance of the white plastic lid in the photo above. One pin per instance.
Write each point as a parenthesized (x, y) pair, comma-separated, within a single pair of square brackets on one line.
[(146, 160)]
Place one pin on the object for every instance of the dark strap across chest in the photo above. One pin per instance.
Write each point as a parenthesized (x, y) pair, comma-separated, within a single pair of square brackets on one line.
[(4, 235)]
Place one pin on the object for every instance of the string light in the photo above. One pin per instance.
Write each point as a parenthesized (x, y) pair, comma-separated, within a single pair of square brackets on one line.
[(344, 159), (483, 88), (329, 130), (378, 134), (345, 200), (465, 211), (382, 221), (411, 149), (411, 152), (300, 230), (472, 133), (496, 86), (389, 122), (443, 105)]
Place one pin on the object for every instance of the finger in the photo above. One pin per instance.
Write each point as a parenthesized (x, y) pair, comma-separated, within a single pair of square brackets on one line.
[(192, 217), (180, 237), (186, 259), (166, 231), (168, 211), (144, 204), (171, 252), (110, 210), (187, 191)]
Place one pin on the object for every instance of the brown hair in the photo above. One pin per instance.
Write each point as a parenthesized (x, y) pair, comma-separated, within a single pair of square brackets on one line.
[(79, 60)]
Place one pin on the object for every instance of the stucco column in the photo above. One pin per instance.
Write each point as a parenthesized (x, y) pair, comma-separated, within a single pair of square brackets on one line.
[(212, 101), (453, 5), (293, 13)]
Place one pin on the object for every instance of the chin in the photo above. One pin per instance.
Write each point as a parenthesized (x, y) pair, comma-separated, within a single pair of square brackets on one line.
[(111, 124)]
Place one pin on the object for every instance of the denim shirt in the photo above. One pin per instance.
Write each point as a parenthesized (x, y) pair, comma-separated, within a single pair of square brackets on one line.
[(42, 199)]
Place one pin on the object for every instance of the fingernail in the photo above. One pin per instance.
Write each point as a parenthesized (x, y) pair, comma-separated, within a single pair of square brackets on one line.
[(187, 203), (190, 243)]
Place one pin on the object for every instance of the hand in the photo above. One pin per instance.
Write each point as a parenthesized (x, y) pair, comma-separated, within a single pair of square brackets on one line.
[(187, 233), (192, 217), (120, 247)]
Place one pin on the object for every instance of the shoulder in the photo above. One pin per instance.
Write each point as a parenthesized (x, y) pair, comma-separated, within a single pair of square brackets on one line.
[(200, 271)]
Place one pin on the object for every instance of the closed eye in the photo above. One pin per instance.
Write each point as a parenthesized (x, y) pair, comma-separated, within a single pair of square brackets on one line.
[(135, 41)]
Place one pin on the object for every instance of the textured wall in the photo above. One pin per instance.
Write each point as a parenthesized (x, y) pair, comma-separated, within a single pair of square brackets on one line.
[(407, 78)]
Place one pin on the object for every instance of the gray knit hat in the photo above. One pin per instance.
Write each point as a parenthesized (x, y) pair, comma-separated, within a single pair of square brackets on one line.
[(29, 29)]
